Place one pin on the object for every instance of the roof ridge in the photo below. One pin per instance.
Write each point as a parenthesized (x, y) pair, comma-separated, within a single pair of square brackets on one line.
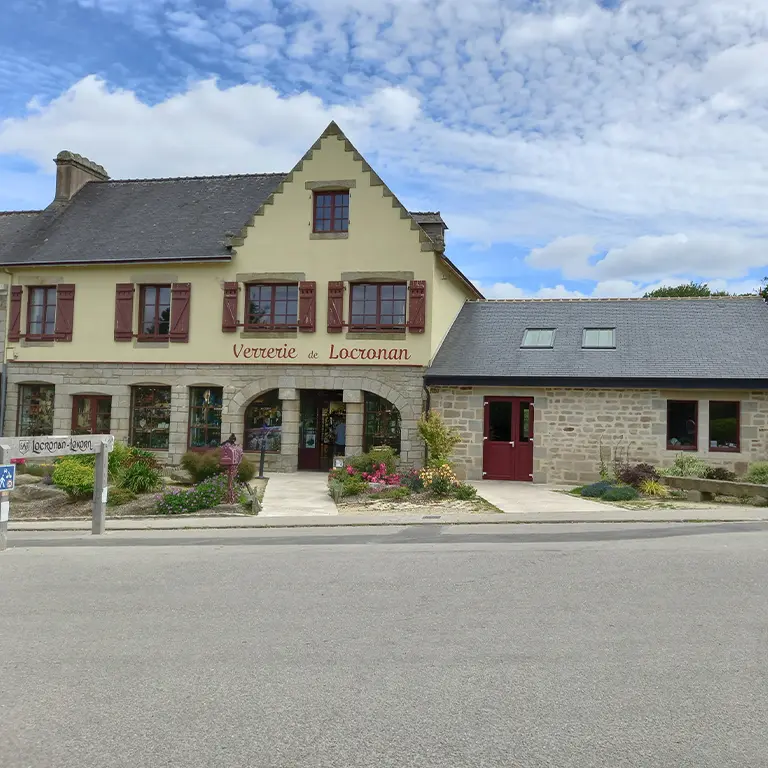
[(194, 178), (615, 298), (14, 213)]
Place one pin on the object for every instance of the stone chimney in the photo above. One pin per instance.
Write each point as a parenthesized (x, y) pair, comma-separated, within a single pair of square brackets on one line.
[(73, 172)]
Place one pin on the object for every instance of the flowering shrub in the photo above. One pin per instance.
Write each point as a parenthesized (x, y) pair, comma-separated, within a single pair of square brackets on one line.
[(205, 495), (380, 475), (439, 480)]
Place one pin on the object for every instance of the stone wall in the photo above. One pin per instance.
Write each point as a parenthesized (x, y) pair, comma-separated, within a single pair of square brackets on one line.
[(402, 386), (573, 426)]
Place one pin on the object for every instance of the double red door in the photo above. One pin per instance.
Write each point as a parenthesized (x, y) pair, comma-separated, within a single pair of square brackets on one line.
[(508, 438)]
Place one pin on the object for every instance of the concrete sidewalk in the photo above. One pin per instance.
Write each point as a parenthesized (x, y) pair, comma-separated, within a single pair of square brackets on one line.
[(526, 498), (599, 515), (297, 494)]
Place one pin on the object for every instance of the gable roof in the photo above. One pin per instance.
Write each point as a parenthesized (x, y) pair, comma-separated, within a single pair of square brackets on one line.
[(184, 219), (13, 223), (659, 342)]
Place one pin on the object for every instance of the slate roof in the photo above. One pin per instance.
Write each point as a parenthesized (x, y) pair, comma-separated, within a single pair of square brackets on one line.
[(690, 341), (140, 220), (13, 223)]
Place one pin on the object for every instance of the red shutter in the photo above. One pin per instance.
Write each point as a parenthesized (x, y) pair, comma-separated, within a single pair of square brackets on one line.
[(14, 326), (65, 311), (180, 293), (124, 311), (229, 317), (335, 306), (307, 306), (417, 307)]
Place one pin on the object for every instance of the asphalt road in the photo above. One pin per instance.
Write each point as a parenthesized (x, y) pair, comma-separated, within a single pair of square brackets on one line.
[(428, 646)]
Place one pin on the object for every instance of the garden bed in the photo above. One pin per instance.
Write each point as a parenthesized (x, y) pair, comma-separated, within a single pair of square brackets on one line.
[(62, 490), (415, 504)]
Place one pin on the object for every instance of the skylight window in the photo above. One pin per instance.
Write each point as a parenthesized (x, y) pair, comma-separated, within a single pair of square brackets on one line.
[(538, 338), (599, 338)]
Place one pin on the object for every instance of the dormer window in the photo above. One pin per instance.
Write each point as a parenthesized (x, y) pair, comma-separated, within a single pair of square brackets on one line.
[(538, 338), (331, 211), (599, 338)]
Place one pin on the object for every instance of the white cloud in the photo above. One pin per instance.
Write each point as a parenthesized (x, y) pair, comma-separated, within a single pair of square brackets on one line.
[(622, 146), (570, 255), (225, 130)]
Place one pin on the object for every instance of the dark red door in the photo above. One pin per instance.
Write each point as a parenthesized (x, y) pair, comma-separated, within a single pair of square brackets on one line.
[(508, 439)]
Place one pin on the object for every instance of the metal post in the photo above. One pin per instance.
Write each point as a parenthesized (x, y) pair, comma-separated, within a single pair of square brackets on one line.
[(100, 481), (5, 502), (261, 458), (3, 397)]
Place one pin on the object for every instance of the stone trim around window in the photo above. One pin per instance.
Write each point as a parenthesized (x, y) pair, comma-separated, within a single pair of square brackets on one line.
[(271, 277), (378, 276), (338, 184), (329, 235)]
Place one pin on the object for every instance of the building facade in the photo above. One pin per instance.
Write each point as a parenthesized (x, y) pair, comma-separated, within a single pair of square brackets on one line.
[(548, 390), (296, 310)]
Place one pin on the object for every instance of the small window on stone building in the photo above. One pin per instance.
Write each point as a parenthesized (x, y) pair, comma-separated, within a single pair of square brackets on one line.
[(35, 410), (91, 414), (205, 417), (682, 425), (724, 422), (541, 338), (264, 423), (599, 338), (382, 423), (151, 417)]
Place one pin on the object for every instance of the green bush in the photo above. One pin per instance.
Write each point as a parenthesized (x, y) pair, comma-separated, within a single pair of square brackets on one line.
[(654, 488), (353, 485), (442, 485), (205, 495), (119, 496), (596, 490), (370, 462), (139, 477), (204, 464), (465, 491), (38, 470), (74, 477), (336, 489), (758, 473), (620, 493), (685, 465), (720, 473), (413, 481), (439, 438)]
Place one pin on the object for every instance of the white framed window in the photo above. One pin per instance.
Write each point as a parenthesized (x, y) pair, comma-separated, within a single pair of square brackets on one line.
[(599, 338)]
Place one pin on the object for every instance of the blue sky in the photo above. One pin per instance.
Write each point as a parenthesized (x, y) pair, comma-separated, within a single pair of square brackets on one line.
[(575, 147)]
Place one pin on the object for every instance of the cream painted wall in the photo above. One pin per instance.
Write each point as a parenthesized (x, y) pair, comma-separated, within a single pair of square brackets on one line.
[(278, 241)]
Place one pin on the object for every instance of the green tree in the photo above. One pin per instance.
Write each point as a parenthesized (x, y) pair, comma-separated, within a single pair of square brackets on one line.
[(763, 291), (682, 291)]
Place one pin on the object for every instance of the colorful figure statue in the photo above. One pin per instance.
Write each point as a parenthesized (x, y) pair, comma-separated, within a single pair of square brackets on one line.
[(231, 456)]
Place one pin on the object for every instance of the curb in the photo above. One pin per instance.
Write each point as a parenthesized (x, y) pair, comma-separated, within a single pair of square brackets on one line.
[(395, 523)]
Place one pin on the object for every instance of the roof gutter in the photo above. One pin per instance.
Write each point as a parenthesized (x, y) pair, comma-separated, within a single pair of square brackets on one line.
[(107, 262), (576, 382)]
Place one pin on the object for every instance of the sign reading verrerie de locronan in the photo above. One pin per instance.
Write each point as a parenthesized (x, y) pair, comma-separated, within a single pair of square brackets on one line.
[(54, 445)]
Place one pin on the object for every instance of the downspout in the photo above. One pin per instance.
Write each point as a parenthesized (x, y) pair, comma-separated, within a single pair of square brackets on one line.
[(4, 368)]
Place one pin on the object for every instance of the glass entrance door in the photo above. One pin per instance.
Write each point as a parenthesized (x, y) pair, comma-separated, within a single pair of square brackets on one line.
[(322, 429)]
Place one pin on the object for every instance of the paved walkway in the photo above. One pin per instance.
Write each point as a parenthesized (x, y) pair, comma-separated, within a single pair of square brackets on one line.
[(296, 494), (526, 498)]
